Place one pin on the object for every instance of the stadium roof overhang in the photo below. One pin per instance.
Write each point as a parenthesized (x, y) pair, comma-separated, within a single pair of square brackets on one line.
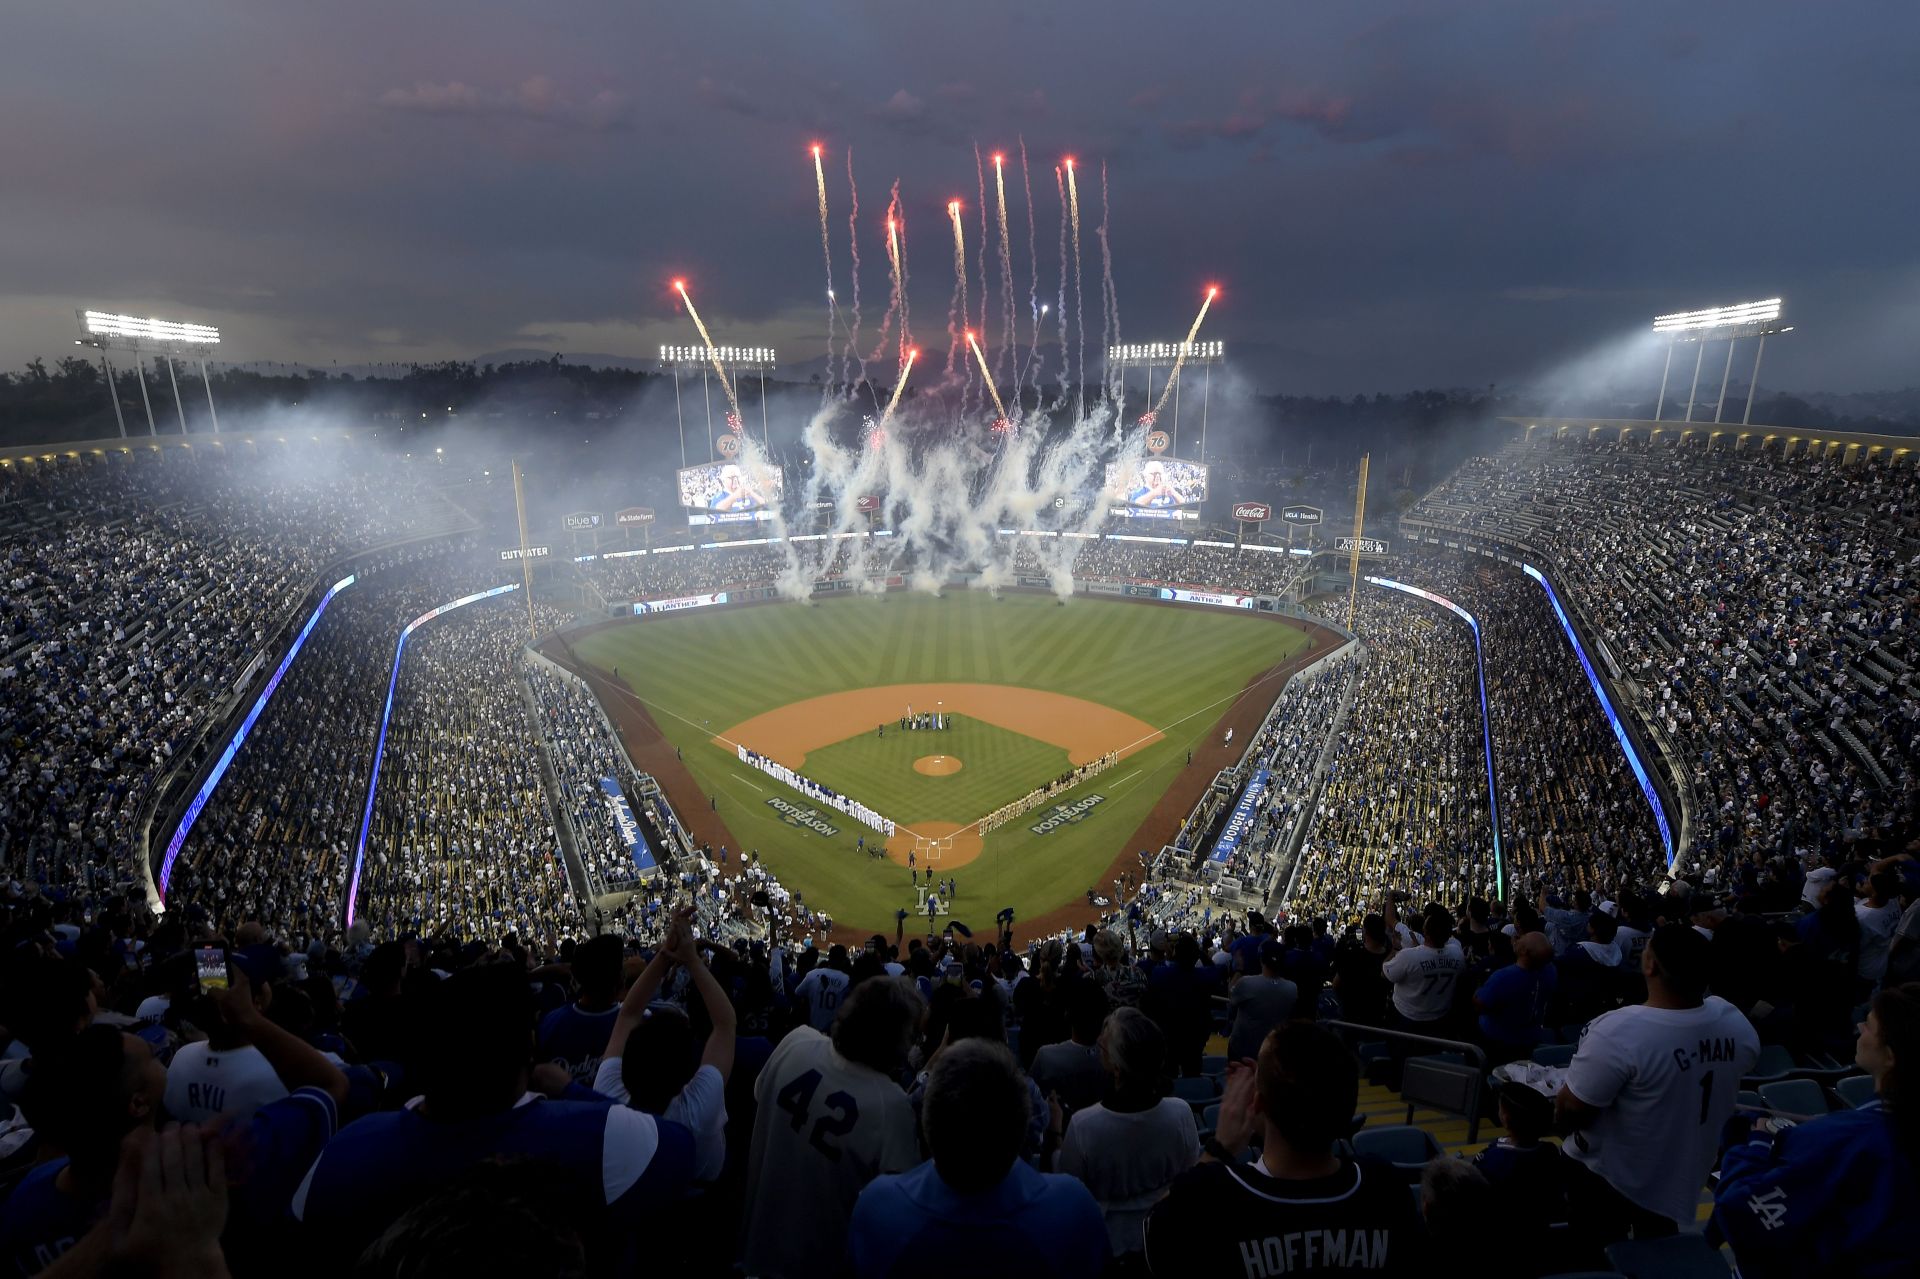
[(1710, 432)]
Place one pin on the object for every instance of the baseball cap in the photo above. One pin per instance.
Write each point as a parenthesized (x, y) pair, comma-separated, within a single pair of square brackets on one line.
[(1272, 954)]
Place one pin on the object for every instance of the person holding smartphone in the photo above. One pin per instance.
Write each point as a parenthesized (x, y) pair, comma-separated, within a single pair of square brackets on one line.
[(225, 1073)]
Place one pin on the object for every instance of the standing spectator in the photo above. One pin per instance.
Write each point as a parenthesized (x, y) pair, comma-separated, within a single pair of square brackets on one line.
[(976, 1197), (821, 990), (1424, 976), (1833, 1197), (223, 1074), (1651, 1085), (1180, 998), (1071, 1069), (1129, 1148), (616, 1162), (1513, 1001), (1260, 1002), (1302, 1208), (574, 1036), (830, 1120), (1358, 978), (1879, 916)]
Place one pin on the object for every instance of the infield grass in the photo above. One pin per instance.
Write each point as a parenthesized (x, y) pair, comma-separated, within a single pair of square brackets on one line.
[(1176, 669)]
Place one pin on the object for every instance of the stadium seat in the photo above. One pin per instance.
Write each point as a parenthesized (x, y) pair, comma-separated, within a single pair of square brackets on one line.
[(1402, 1145), (1443, 1083), (1800, 1098), (1775, 1063), (1684, 1256), (1553, 1054), (1214, 1065), (1197, 1091), (1210, 1118), (1749, 1099), (1855, 1091)]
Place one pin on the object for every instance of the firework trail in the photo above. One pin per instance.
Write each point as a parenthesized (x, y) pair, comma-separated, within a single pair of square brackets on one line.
[(1110, 323), (719, 369), (1180, 358), (959, 310), (893, 281), (1060, 304), (980, 355), (1033, 277), (1079, 296), (980, 177), (826, 253), (853, 250), (1007, 331), (899, 385)]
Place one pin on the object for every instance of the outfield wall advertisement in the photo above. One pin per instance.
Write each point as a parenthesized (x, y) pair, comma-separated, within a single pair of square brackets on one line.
[(1205, 597), (642, 608)]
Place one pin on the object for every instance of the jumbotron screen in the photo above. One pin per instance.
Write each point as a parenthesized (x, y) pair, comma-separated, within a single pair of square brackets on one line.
[(1157, 483), (730, 492)]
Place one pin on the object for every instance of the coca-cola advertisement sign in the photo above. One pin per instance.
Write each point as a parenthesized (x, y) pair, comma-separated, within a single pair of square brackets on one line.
[(1252, 512)]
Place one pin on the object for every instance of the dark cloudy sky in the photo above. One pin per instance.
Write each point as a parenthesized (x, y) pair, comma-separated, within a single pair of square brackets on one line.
[(1394, 195)]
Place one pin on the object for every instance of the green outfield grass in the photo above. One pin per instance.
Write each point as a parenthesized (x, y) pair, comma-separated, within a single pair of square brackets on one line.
[(1175, 669), (997, 766)]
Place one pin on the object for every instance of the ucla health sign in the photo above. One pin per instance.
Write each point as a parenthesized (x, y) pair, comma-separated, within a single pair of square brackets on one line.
[(1240, 821)]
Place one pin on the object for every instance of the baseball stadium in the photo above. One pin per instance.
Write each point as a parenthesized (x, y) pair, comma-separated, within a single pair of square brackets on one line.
[(916, 773)]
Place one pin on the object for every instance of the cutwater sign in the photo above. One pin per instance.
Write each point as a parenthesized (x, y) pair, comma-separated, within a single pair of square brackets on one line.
[(1067, 814), (806, 818)]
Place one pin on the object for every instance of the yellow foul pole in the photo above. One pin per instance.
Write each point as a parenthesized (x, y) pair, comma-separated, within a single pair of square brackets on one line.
[(526, 565), (1359, 526)]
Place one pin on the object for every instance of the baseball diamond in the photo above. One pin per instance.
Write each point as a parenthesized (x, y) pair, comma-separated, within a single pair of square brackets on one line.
[(1087, 713)]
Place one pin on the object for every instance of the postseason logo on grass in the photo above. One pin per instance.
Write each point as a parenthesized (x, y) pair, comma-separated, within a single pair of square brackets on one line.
[(795, 815), (1066, 814)]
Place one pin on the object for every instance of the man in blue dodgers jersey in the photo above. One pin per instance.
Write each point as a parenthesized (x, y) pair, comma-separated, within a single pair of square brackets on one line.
[(1834, 1196), (574, 1036), (821, 990), (1302, 1208), (1651, 1085), (104, 1084), (612, 1161)]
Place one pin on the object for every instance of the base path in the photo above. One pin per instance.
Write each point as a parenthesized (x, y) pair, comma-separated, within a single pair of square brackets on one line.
[(1084, 730)]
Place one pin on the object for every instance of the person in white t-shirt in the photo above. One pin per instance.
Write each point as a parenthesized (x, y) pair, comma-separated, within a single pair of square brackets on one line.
[(1652, 1084), (831, 1117), (1879, 916), (821, 990), (644, 1064), (204, 1082), (1129, 1148), (1424, 976)]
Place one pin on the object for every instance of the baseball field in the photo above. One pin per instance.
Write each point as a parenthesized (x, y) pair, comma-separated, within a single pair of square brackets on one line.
[(1032, 689)]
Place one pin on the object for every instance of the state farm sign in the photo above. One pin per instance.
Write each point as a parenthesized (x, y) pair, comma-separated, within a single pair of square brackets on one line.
[(633, 515), (1252, 512)]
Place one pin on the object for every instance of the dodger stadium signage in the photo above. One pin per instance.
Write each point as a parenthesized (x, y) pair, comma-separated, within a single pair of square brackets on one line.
[(1063, 814), (580, 521), (1365, 545), (1252, 512), (533, 553), (633, 515), (1302, 514)]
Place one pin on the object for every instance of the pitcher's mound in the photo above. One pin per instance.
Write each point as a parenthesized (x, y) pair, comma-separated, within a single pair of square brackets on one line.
[(937, 765), (941, 846)]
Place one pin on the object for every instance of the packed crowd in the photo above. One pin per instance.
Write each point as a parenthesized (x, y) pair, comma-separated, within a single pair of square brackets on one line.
[(1289, 748), (576, 733), (474, 1103), (462, 840), (275, 840), (1243, 570), (1759, 609), (1405, 798)]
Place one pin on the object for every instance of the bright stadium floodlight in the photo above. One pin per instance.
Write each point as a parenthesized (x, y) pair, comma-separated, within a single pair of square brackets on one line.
[(143, 335), (1738, 316), (1717, 324), (142, 329)]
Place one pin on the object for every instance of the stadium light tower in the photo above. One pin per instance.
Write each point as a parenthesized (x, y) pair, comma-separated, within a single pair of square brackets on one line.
[(681, 359), (1165, 355), (106, 330), (1716, 324)]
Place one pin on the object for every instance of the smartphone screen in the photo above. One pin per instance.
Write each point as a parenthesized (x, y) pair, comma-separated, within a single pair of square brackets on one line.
[(210, 965)]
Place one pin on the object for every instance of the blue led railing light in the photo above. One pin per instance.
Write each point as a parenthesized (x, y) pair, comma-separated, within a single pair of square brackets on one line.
[(219, 771), (1486, 724), (386, 714), (1606, 705)]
